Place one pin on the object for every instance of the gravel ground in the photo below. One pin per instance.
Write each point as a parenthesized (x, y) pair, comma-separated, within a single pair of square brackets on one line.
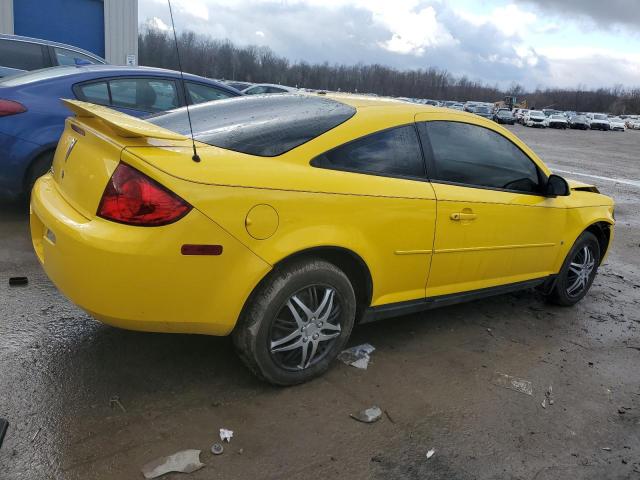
[(431, 373)]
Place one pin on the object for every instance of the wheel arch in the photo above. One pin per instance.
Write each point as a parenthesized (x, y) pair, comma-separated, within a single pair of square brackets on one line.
[(602, 231), (45, 150), (352, 264)]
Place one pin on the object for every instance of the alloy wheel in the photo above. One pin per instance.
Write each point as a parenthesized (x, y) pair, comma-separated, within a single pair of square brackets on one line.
[(305, 328), (580, 270)]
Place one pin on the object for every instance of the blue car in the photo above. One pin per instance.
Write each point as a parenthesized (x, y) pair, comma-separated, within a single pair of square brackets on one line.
[(32, 115)]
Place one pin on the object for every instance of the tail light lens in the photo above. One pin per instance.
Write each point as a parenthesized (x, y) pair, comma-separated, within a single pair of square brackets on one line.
[(135, 199), (9, 107)]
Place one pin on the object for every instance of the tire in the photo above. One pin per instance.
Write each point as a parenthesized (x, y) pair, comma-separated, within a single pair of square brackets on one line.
[(38, 167), (268, 319), (568, 288)]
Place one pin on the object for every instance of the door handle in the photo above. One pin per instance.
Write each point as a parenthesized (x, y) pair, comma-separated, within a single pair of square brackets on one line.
[(456, 217)]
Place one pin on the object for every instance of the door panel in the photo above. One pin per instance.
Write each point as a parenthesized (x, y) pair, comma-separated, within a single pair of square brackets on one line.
[(492, 227), (486, 238)]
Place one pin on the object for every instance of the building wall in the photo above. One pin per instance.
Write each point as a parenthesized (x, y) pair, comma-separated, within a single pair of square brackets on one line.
[(108, 28), (76, 22), (121, 27), (6, 16)]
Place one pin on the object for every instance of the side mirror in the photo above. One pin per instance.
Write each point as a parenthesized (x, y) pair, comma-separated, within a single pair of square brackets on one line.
[(557, 186)]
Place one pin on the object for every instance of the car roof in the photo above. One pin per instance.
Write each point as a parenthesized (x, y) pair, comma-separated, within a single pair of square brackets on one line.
[(270, 85), (365, 101), (20, 38), (89, 72)]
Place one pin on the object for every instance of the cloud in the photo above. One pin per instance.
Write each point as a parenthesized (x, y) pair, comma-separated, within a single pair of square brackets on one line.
[(605, 13), (493, 47)]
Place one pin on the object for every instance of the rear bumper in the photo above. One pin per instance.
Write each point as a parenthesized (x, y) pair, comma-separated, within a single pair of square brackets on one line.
[(136, 277)]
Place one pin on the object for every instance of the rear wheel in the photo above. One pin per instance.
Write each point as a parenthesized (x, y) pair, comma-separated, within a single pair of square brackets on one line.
[(578, 271), (296, 322)]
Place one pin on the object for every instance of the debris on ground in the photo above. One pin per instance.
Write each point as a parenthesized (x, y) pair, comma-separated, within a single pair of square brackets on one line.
[(548, 397), (115, 402), (430, 453), (386, 412), (18, 281), (217, 449), (357, 356), (512, 383), (490, 332), (185, 461), (226, 435), (4, 426), (606, 449), (35, 435), (369, 415)]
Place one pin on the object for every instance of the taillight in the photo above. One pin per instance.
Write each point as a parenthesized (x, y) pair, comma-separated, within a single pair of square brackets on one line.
[(9, 107), (135, 199)]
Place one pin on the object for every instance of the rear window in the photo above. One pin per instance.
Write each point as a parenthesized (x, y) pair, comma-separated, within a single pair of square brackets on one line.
[(265, 126)]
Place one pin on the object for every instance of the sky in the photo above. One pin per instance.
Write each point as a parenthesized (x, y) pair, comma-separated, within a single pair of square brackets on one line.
[(536, 43)]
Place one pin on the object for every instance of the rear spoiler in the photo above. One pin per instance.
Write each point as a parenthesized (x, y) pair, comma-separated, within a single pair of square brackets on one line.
[(122, 124)]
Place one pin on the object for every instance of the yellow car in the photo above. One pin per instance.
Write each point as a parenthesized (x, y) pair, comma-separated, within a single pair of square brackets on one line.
[(301, 215)]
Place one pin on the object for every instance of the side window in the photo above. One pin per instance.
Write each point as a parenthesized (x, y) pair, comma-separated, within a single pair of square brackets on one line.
[(200, 93), (393, 152), (22, 55), (94, 93), (148, 94), (473, 155), (276, 90), (69, 57)]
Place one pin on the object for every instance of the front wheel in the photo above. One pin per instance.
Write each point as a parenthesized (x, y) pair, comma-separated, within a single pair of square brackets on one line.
[(577, 272), (296, 322)]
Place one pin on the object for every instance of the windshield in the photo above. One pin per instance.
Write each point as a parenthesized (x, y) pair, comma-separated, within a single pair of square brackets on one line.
[(482, 110), (504, 113), (599, 117), (536, 113), (37, 75), (263, 125), (557, 117)]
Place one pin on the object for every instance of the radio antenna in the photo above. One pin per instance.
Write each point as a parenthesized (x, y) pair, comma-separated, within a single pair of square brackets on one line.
[(195, 157)]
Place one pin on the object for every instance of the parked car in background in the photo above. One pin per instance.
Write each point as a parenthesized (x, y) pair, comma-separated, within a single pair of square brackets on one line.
[(599, 121), (19, 54), (520, 114), (238, 85), (535, 118), (457, 106), (504, 115), (579, 122), (617, 124), (32, 115), (550, 111), (271, 88), (633, 123), (284, 235), (557, 120), (483, 111)]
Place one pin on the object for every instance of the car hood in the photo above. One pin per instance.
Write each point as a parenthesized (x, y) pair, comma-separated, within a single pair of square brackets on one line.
[(580, 186)]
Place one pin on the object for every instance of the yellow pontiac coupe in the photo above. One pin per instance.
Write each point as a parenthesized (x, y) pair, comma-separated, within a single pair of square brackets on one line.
[(302, 215)]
